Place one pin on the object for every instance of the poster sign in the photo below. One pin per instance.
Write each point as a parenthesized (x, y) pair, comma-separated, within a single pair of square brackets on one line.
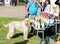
[(7, 2), (55, 10)]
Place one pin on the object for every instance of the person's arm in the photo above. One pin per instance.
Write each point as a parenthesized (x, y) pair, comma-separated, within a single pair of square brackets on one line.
[(26, 10), (38, 3)]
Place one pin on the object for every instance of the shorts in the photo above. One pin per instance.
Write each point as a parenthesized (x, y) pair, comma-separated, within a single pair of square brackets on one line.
[(27, 16)]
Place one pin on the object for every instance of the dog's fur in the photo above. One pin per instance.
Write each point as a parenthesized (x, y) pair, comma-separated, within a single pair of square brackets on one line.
[(58, 38), (53, 42), (22, 26)]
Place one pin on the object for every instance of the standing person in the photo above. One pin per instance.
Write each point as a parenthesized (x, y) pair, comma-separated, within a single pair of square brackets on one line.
[(46, 6), (32, 8), (14, 2)]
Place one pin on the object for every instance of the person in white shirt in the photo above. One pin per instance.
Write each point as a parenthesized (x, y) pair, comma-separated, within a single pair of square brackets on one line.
[(46, 6)]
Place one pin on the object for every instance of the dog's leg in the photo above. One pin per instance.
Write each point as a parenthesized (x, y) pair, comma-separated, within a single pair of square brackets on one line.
[(25, 35), (10, 32)]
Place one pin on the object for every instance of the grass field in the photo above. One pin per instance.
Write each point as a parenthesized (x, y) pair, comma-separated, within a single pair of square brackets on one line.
[(18, 37), (21, 4)]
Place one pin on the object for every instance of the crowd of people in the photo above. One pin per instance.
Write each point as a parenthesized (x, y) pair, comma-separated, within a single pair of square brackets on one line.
[(32, 6)]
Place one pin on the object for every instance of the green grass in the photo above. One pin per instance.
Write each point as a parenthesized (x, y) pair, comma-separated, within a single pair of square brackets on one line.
[(21, 4), (17, 39)]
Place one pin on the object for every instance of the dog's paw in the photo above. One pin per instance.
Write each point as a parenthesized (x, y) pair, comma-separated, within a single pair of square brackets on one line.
[(8, 38)]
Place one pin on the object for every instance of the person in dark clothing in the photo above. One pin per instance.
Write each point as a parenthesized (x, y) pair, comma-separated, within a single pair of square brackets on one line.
[(1, 2), (57, 2), (26, 1), (14, 2)]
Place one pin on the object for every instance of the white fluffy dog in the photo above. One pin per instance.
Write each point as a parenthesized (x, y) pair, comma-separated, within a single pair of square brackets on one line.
[(22, 26)]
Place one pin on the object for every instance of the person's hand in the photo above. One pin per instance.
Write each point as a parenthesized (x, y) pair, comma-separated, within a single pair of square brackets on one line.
[(36, 1), (27, 13)]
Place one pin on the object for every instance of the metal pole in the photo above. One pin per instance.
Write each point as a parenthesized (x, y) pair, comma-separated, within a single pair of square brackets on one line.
[(17, 2)]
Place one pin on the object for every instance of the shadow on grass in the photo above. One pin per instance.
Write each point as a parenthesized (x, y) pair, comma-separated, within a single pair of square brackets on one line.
[(23, 42), (31, 34), (21, 34), (17, 35)]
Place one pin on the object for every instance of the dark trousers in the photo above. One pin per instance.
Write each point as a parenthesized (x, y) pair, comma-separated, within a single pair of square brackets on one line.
[(14, 2), (26, 1)]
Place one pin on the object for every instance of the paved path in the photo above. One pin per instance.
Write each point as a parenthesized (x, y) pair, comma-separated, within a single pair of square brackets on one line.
[(11, 11)]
